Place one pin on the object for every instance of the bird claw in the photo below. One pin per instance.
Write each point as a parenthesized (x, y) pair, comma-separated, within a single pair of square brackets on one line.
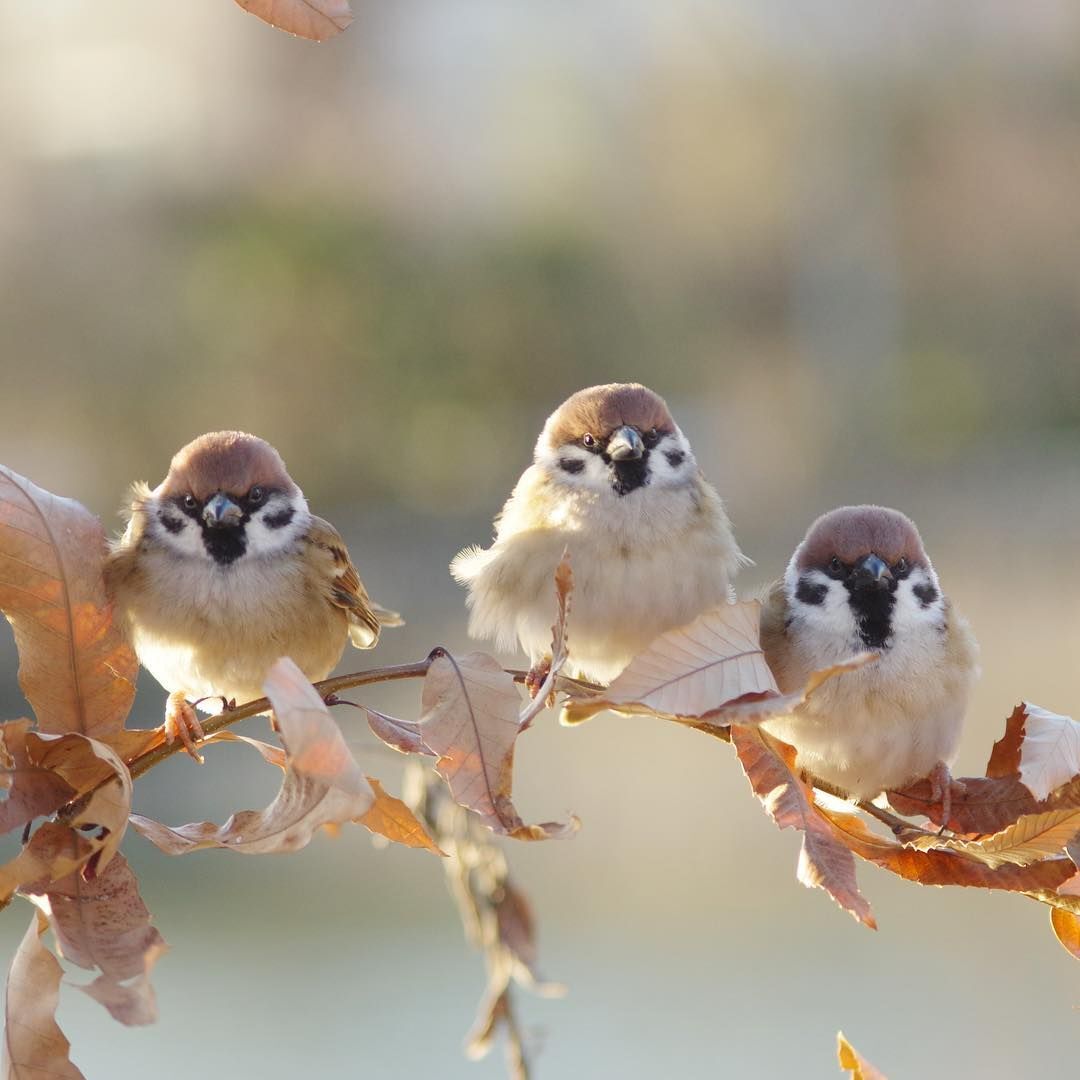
[(943, 789), (181, 721)]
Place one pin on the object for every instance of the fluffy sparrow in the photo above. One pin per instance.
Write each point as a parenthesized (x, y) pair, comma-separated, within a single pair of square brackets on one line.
[(614, 481), (862, 581), (222, 569)]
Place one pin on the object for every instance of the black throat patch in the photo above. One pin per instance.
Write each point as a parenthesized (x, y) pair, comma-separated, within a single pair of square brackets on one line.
[(225, 546), (627, 476), (873, 613)]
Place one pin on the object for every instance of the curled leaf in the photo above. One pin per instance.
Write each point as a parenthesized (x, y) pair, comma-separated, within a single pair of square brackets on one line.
[(316, 20), (560, 649), (32, 790), (34, 1045), (1066, 927), (54, 851), (322, 783), (74, 666), (1027, 840), (471, 722), (392, 819), (854, 1062), (1050, 751), (824, 861)]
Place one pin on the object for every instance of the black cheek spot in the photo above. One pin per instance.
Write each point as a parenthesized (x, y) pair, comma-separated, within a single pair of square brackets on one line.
[(571, 465), (172, 524), (280, 519), (674, 458), (811, 592), (925, 593)]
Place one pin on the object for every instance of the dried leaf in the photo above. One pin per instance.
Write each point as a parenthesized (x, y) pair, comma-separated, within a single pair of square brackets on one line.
[(987, 805), (693, 671), (132, 1002), (560, 648), (1066, 927), (322, 783), (32, 791), (316, 20), (54, 851), (401, 735), (75, 668), (1031, 838), (854, 1062), (1050, 752), (471, 721), (1005, 756), (34, 1046), (272, 755), (824, 861), (391, 818)]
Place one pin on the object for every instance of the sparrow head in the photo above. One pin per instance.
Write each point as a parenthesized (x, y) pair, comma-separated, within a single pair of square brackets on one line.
[(227, 496), (861, 578), (614, 439)]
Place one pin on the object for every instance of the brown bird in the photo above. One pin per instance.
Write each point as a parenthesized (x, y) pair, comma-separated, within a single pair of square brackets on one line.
[(614, 481), (223, 569), (861, 581)]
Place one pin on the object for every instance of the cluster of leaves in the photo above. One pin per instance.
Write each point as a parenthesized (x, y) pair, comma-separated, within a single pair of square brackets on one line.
[(69, 781)]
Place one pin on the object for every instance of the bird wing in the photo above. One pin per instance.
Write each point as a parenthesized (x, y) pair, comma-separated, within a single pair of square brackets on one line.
[(344, 589)]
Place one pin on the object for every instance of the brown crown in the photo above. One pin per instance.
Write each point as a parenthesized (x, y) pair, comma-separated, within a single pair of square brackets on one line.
[(228, 461), (600, 410), (851, 532)]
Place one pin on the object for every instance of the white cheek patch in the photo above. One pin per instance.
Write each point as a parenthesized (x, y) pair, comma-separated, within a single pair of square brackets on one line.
[(671, 461), (575, 467), (172, 528), (919, 602), (830, 620), (276, 526)]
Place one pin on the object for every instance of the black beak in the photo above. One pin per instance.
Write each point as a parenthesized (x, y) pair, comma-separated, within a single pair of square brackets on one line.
[(870, 572), (221, 512), (625, 445)]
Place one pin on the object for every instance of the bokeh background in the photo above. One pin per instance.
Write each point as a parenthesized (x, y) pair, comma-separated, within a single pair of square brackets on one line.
[(842, 239)]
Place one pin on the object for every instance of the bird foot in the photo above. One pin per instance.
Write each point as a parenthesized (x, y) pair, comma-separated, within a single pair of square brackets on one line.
[(181, 721), (534, 680), (943, 789)]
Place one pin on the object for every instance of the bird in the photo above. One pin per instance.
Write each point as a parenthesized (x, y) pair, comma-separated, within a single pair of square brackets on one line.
[(861, 581), (615, 483), (222, 569)]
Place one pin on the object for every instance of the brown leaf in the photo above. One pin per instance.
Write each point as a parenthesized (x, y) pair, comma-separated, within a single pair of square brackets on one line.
[(692, 671), (132, 1002), (32, 791), (1005, 756), (987, 805), (824, 861), (272, 755), (1050, 752), (854, 1062), (75, 669), (1066, 927), (34, 1046), (401, 735), (1027, 840), (560, 646), (471, 721), (316, 20), (322, 783), (943, 867), (391, 818), (54, 851)]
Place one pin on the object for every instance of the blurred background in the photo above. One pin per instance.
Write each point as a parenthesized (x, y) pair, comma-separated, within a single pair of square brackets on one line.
[(842, 240)]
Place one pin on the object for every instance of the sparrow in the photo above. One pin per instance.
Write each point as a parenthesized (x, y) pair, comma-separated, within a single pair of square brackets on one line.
[(614, 482), (861, 581), (223, 569)]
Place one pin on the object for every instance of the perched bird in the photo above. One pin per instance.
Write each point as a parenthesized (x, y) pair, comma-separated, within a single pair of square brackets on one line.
[(614, 481), (223, 569), (862, 581)]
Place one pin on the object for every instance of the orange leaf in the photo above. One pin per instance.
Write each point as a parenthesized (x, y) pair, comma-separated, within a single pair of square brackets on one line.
[(34, 1045), (854, 1062), (471, 722), (74, 666), (316, 20), (824, 861), (1066, 927), (322, 783), (391, 818)]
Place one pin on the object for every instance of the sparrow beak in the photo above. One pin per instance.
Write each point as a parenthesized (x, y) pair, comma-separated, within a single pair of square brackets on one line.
[(625, 445), (221, 512), (871, 573)]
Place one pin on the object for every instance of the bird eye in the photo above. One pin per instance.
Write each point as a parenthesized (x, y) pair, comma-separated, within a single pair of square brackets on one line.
[(651, 437), (190, 502), (901, 566), (588, 440), (256, 495), (835, 566)]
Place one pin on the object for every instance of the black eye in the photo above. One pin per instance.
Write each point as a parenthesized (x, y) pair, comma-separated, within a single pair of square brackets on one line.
[(651, 437), (836, 567), (900, 567), (588, 440), (256, 495), (190, 502)]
